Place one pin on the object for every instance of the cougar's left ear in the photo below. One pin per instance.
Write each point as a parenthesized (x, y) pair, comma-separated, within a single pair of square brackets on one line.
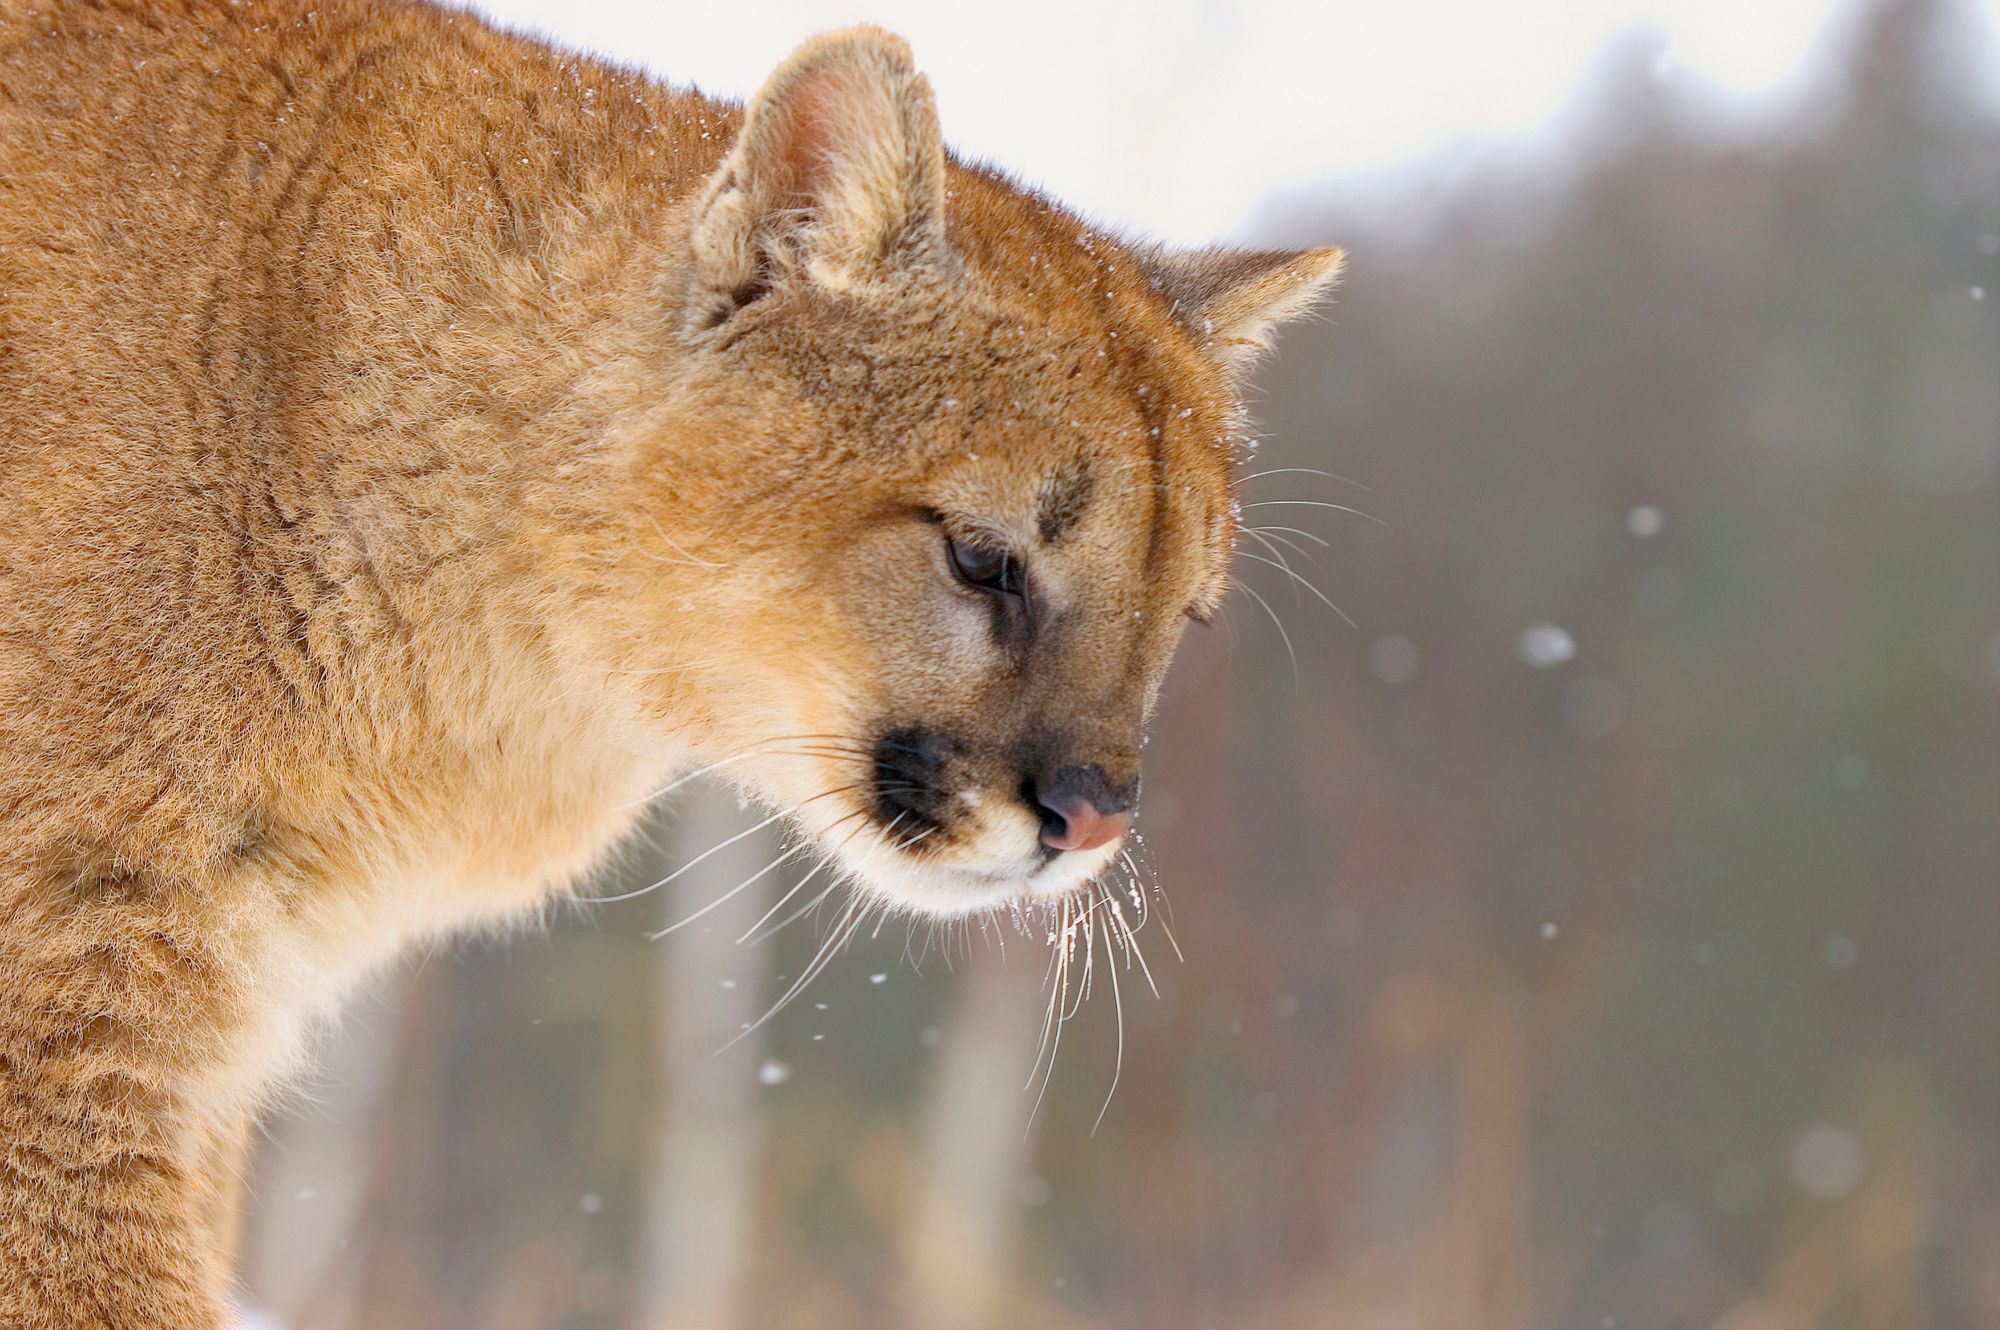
[(838, 173), (1232, 299)]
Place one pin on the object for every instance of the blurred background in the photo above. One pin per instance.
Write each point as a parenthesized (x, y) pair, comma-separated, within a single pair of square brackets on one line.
[(1601, 930)]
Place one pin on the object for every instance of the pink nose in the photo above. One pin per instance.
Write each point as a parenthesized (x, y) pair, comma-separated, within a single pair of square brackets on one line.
[(1083, 827)]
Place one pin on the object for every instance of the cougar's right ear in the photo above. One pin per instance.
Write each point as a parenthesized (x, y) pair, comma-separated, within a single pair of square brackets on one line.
[(1233, 299), (837, 174)]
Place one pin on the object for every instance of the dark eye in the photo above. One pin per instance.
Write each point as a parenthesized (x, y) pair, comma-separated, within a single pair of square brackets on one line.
[(986, 568)]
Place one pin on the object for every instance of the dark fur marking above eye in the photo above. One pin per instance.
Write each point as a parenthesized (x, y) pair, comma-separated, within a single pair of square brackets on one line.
[(1065, 494)]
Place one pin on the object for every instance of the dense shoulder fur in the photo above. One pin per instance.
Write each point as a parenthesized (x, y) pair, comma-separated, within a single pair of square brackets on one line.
[(418, 442)]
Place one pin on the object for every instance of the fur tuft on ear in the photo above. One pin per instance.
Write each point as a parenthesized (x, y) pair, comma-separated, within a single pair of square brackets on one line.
[(838, 171), (1232, 299)]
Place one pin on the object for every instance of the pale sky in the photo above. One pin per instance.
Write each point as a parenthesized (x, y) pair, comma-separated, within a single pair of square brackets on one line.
[(1174, 117)]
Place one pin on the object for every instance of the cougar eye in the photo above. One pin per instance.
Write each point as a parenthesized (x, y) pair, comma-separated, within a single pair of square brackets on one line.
[(986, 568)]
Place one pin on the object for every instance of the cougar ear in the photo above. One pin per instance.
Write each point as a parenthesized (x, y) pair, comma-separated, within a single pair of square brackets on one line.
[(838, 172), (1232, 299)]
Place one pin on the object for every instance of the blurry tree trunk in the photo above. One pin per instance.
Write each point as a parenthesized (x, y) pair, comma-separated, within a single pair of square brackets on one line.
[(391, 1253), (959, 1252), (700, 1193), (314, 1176)]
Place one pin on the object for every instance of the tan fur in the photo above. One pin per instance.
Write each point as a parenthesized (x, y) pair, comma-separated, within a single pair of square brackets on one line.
[(416, 443)]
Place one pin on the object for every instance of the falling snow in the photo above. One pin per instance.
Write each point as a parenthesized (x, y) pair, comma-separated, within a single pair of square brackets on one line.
[(1827, 1161), (1545, 645), (1393, 659), (1645, 521)]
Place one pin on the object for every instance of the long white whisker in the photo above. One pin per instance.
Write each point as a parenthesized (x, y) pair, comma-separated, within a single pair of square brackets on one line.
[(1286, 569), (1321, 541), (718, 848), (1250, 591), (796, 915), (837, 940), (1133, 951), (1167, 922), (1302, 471), (713, 849), (1257, 535), (696, 774), (808, 746), (1265, 541), (779, 904), (1118, 1004), (1058, 998), (1055, 926), (1267, 534), (790, 854), (1314, 503), (810, 905), (1085, 923)]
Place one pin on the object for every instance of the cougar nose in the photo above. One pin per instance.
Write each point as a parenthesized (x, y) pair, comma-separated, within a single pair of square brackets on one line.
[(1081, 811)]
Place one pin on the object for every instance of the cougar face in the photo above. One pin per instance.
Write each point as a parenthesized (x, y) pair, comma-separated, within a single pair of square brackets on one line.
[(953, 672), (965, 468)]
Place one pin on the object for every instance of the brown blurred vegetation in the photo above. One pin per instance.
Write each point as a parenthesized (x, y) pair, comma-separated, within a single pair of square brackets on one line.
[(1659, 987)]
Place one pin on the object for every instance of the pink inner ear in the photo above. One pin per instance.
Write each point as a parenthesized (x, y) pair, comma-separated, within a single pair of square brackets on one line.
[(816, 120)]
